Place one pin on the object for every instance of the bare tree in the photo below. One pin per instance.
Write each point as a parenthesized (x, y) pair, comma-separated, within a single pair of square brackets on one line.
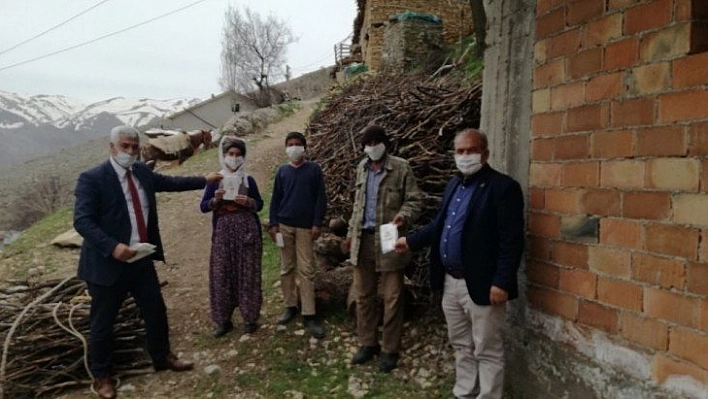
[(253, 52)]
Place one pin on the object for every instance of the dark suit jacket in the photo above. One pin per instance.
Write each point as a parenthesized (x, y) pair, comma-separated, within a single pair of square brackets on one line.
[(101, 217), (492, 237)]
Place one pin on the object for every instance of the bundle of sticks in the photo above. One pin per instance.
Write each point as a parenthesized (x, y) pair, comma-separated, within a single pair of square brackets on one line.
[(44, 328), (421, 117)]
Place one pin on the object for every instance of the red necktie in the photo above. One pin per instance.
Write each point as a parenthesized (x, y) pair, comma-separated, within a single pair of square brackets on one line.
[(142, 230)]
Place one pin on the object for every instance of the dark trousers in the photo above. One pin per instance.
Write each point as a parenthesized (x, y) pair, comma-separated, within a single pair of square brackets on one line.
[(140, 279)]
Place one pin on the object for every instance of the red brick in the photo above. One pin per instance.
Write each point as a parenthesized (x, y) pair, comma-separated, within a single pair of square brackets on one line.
[(580, 174), (691, 71), (563, 200), (585, 63), (683, 106), (545, 174), (665, 272), (578, 282), (536, 198), (605, 87), (689, 345), (564, 44), (650, 79), (544, 225), (540, 248), (603, 30), (587, 118), (699, 140), (547, 124), (669, 42), (703, 249), (620, 233), (644, 331), (703, 315), (598, 316), (682, 11), (543, 274), (612, 144), (632, 113), (549, 74), (665, 368), (622, 294), (622, 54), (670, 306), (602, 202), (571, 147), (698, 278), (570, 254), (646, 205), (581, 11), (662, 141), (609, 261), (622, 174), (554, 302), (567, 95), (672, 240), (621, 4), (704, 176), (646, 17), (542, 149), (550, 23)]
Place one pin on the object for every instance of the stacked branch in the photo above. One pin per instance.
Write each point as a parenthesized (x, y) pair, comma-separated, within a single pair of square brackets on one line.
[(44, 329), (421, 117)]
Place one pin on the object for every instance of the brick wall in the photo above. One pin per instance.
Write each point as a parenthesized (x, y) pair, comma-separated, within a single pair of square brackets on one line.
[(620, 141), (455, 15)]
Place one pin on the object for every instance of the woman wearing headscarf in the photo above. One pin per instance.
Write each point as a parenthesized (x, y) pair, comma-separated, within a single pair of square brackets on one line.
[(236, 245)]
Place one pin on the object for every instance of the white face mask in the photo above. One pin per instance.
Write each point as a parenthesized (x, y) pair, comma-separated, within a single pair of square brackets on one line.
[(376, 152), (295, 152), (233, 162), (124, 159), (468, 164)]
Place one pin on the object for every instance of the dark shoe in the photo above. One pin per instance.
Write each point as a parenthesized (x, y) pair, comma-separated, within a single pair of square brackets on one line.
[(250, 328), (222, 329), (104, 387), (365, 353), (288, 315), (172, 363), (388, 362), (313, 327)]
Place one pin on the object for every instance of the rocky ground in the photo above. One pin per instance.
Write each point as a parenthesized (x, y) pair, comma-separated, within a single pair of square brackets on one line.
[(426, 368)]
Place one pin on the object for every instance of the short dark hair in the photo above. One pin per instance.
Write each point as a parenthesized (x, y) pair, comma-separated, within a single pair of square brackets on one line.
[(374, 133), (296, 135), (231, 142)]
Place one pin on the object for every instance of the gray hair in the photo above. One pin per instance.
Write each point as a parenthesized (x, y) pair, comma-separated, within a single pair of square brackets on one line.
[(472, 131), (125, 131)]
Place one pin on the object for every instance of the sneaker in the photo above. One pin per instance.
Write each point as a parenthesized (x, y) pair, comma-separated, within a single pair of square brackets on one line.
[(250, 328), (388, 362), (222, 329), (313, 327), (365, 353), (288, 315)]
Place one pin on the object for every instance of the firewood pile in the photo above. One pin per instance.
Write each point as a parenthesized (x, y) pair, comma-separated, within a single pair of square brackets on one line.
[(421, 117), (44, 329)]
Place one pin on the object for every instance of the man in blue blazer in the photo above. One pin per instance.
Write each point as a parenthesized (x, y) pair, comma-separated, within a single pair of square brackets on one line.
[(115, 209), (476, 243)]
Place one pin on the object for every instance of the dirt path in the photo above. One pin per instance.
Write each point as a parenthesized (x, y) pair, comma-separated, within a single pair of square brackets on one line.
[(186, 236)]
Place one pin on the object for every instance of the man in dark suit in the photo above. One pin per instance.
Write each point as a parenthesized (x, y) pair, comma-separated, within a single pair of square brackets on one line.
[(476, 243), (115, 209)]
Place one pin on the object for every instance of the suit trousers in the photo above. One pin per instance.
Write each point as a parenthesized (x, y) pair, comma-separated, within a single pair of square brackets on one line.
[(367, 282), (140, 279), (298, 268), (476, 335)]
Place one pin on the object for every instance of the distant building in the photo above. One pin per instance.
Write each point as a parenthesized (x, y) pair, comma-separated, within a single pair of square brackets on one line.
[(210, 114)]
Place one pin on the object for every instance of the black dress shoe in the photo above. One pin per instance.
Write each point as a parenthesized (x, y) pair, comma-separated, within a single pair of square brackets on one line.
[(313, 327), (388, 362), (288, 315), (172, 363), (250, 328), (222, 329), (365, 353), (104, 387)]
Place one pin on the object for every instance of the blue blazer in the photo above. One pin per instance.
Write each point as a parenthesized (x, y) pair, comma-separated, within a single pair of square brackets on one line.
[(101, 217), (492, 236)]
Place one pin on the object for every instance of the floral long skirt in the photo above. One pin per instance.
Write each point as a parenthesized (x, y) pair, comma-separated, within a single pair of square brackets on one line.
[(235, 268)]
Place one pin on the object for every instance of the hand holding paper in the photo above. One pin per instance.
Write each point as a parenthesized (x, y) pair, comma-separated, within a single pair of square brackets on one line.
[(142, 249), (388, 236)]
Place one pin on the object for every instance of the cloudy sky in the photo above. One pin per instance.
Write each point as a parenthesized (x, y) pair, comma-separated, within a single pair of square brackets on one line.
[(167, 56)]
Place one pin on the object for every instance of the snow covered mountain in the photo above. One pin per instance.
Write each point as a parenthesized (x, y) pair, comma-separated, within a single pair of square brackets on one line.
[(31, 126)]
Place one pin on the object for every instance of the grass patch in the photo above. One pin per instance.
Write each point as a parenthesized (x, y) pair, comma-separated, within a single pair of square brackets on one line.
[(39, 232)]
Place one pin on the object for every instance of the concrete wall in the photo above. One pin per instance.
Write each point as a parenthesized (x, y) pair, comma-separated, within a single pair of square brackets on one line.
[(209, 114), (616, 298)]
